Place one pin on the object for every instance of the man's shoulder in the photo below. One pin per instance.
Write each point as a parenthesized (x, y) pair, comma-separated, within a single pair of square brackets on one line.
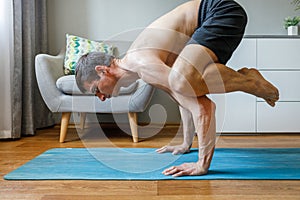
[(141, 56)]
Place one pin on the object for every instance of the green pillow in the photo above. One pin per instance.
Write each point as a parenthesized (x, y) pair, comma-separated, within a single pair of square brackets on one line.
[(78, 46)]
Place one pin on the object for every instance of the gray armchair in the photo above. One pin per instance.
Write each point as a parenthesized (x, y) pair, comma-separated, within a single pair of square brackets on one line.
[(61, 95)]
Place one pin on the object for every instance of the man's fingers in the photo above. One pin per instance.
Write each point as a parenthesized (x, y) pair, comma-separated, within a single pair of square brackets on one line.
[(181, 173), (161, 150), (184, 172), (165, 149), (181, 170), (167, 171), (170, 171), (177, 151), (175, 172)]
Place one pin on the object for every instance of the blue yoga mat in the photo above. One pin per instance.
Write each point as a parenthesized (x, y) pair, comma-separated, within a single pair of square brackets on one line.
[(146, 164)]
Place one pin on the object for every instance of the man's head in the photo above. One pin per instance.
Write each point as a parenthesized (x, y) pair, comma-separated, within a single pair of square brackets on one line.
[(90, 69)]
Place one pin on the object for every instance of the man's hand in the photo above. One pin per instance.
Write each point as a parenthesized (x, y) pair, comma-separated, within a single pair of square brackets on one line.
[(186, 169), (179, 149)]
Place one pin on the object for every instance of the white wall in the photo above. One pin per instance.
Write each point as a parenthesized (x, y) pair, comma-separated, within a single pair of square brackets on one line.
[(104, 19), (265, 17), (101, 19)]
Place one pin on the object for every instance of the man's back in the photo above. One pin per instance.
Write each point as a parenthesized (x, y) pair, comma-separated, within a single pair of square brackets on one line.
[(169, 33)]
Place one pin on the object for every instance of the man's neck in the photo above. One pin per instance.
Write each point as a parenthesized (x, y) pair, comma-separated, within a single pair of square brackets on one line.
[(124, 76)]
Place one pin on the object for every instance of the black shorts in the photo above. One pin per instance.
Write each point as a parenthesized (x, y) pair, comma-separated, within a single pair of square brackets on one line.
[(221, 26)]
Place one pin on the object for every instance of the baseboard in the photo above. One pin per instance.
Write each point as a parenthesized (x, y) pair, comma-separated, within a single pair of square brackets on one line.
[(114, 125)]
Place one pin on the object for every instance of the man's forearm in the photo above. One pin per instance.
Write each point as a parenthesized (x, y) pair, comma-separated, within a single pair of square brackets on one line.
[(206, 131), (188, 126)]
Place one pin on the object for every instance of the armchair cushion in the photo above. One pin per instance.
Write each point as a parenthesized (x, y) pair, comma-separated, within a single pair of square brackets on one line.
[(67, 85), (78, 46)]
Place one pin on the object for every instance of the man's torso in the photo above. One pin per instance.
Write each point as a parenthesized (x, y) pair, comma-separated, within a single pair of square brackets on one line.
[(167, 36), (155, 50)]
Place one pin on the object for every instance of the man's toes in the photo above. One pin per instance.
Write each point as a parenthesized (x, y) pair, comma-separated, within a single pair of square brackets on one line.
[(270, 102), (243, 70)]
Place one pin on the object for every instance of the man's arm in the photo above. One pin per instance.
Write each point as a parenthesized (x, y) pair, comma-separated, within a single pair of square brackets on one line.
[(205, 124), (188, 134)]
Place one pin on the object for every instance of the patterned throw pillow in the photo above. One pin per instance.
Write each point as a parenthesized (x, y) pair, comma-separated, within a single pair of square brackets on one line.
[(78, 46)]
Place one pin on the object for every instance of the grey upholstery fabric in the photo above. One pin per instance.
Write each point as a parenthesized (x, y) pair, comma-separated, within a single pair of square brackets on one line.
[(67, 84)]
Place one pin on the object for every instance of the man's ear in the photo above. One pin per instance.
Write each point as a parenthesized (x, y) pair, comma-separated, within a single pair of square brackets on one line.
[(99, 68), (102, 69)]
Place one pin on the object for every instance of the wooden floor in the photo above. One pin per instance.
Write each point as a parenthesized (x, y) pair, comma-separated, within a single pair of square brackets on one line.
[(15, 153)]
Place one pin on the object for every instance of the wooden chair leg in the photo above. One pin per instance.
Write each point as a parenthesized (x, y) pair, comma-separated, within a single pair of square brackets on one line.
[(133, 126), (65, 118), (82, 120)]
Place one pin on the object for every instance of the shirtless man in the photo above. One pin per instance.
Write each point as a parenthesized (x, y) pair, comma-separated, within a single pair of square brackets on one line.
[(184, 53)]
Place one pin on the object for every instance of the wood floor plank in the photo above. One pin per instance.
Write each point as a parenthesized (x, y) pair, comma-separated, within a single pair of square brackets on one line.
[(229, 187), (178, 197), (58, 188)]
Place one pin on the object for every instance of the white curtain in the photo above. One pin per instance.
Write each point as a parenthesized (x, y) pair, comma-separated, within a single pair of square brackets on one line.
[(6, 63)]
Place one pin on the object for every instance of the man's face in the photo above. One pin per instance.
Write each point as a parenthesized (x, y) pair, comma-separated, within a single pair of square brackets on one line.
[(104, 87)]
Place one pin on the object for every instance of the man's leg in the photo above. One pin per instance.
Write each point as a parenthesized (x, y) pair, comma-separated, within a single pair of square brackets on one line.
[(188, 134), (197, 73), (194, 74)]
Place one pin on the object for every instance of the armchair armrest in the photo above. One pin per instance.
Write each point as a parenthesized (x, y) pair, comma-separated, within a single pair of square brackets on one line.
[(48, 69)]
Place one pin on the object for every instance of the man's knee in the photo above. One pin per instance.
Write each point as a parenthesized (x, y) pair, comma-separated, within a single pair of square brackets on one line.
[(188, 84), (177, 81)]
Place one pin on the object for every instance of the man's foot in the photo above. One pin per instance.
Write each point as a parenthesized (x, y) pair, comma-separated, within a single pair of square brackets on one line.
[(263, 89), (179, 149)]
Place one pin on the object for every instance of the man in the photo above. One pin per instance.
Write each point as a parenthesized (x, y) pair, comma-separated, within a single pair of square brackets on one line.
[(183, 53)]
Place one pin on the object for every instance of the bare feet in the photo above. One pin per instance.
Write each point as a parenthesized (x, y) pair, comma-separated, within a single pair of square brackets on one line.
[(179, 149), (263, 88)]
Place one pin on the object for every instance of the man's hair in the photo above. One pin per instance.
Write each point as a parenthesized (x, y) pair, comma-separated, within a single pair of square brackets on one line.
[(85, 67)]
